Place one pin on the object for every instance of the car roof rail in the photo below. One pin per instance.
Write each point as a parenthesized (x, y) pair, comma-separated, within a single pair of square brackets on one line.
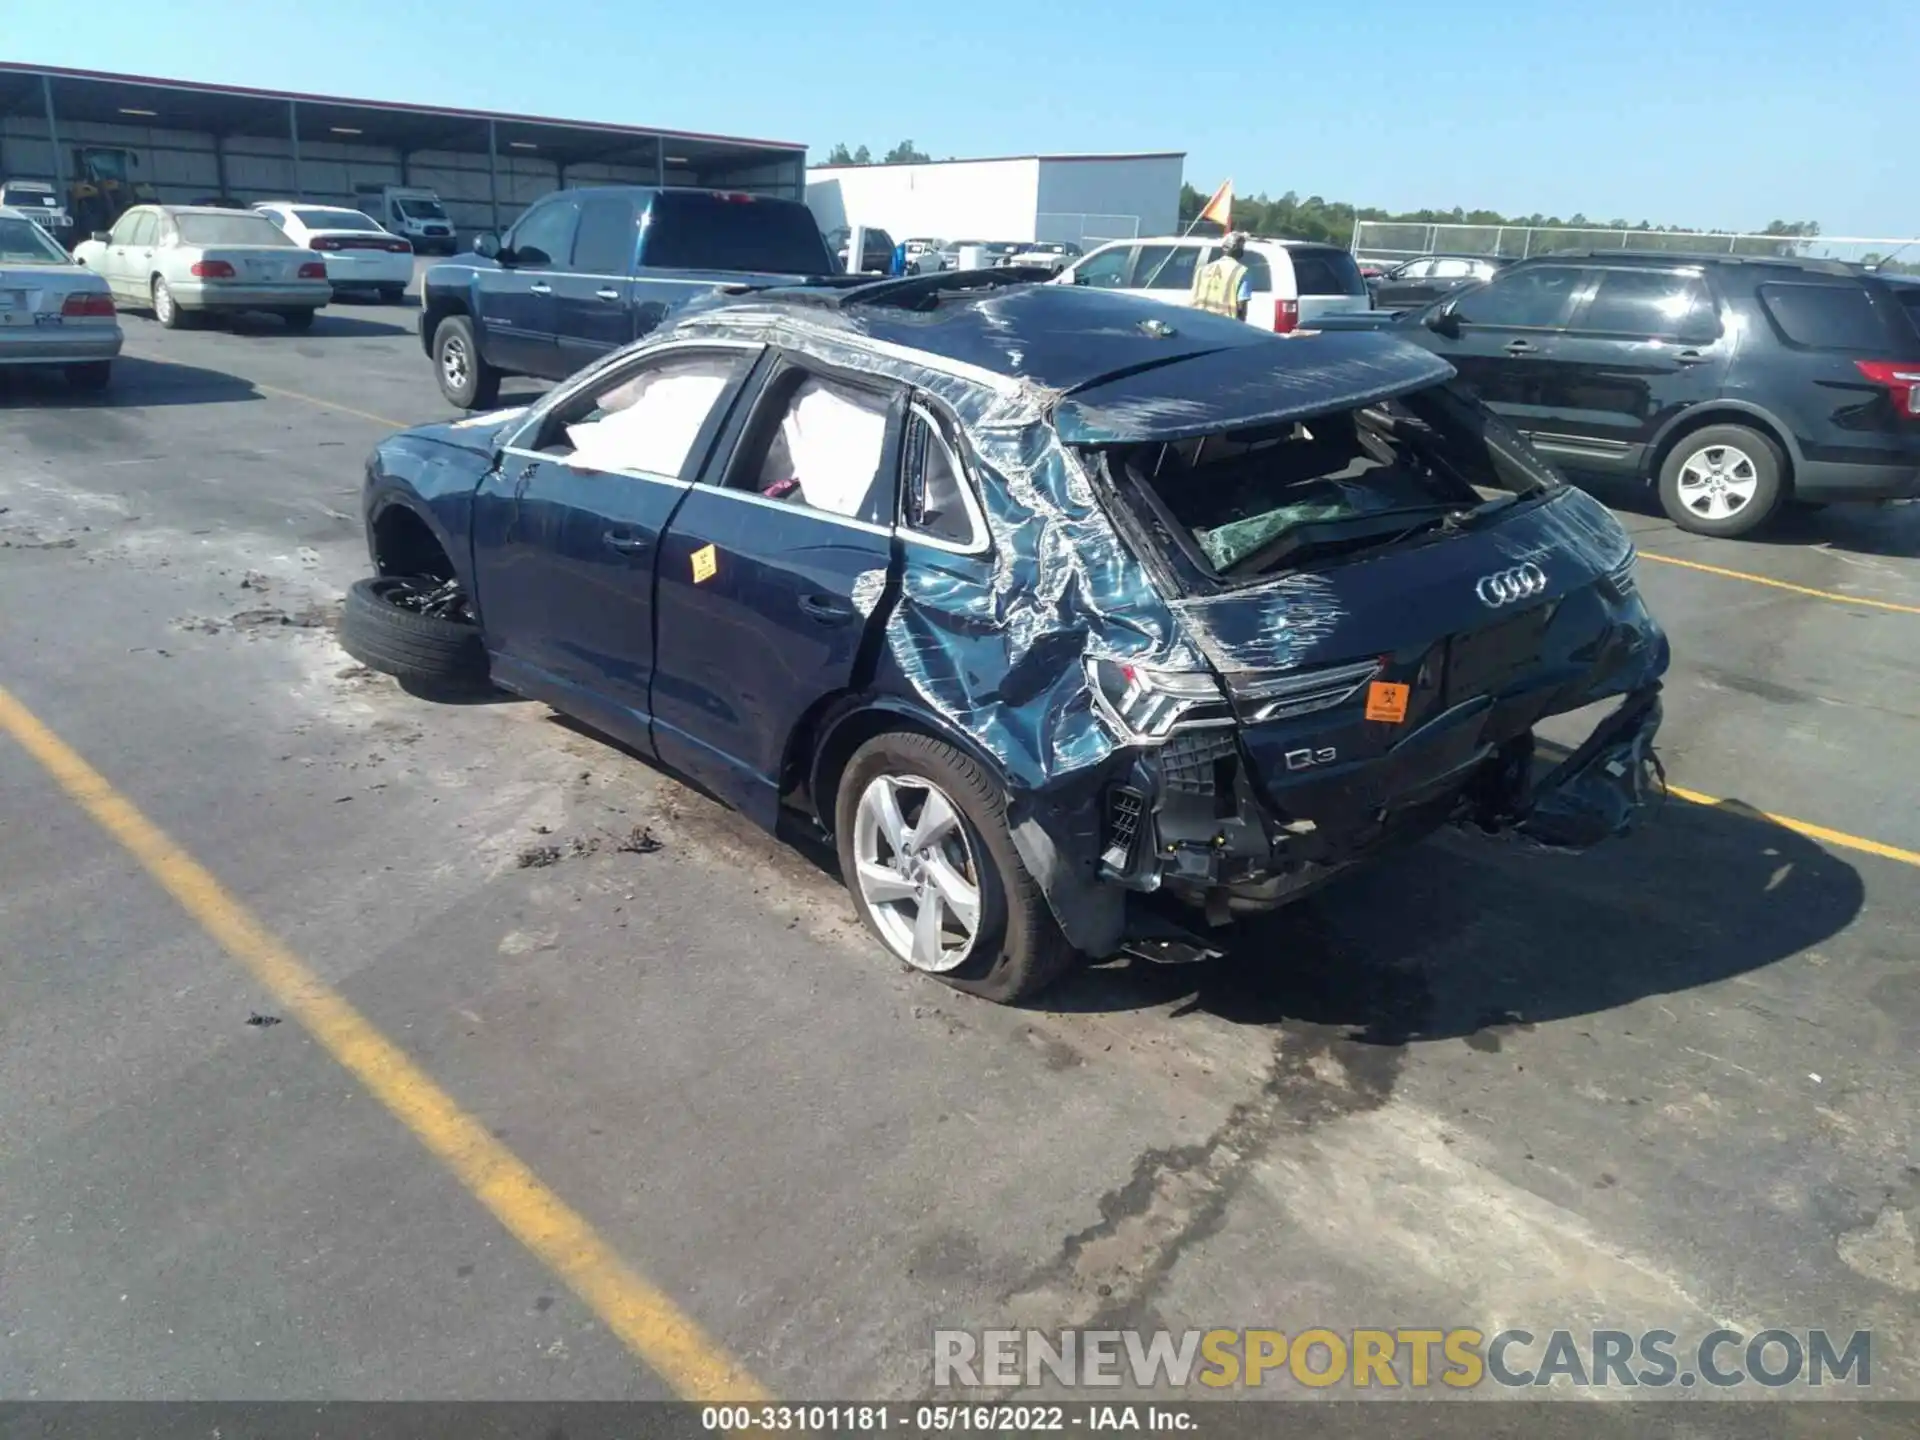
[(1704, 257)]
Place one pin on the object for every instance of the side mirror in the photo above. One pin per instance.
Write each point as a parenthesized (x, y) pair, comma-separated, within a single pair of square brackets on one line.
[(1445, 322), (487, 244), (105, 237)]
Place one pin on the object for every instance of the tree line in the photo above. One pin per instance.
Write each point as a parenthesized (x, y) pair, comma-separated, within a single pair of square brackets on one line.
[(904, 153), (1333, 221)]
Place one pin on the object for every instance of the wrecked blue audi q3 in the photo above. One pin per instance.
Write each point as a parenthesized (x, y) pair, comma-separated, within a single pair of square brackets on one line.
[(1040, 601)]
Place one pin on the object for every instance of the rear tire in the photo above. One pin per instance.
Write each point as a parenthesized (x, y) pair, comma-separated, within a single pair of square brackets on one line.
[(427, 650), (465, 378), (1723, 480), (299, 321), (166, 309), (393, 294), (1016, 949), (92, 375)]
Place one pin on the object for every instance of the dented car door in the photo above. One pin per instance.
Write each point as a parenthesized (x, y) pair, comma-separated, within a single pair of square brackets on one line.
[(770, 576)]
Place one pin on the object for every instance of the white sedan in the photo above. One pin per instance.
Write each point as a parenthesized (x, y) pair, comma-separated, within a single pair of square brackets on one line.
[(52, 313), (186, 261), (360, 253)]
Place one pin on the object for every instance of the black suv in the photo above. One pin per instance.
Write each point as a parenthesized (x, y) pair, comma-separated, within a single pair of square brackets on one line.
[(1733, 384)]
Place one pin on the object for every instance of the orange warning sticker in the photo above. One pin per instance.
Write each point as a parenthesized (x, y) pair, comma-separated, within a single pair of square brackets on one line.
[(706, 563), (1387, 702)]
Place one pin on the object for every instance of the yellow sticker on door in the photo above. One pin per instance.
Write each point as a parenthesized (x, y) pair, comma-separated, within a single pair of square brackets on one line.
[(705, 564)]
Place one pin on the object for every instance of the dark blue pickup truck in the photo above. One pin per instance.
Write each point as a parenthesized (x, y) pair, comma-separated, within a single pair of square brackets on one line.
[(583, 272)]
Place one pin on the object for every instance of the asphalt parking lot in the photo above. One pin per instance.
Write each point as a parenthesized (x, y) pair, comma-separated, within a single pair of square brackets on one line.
[(1668, 1084)]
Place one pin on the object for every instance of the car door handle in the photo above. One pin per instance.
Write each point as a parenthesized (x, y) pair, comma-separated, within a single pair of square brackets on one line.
[(626, 544), (607, 294), (1520, 347), (1688, 357), (826, 609), (539, 287)]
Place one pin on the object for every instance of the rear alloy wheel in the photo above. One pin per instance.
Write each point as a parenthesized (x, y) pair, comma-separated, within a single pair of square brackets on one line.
[(1723, 480), (415, 628), (298, 320), (925, 850), (165, 308), (90, 375), (465, 378)]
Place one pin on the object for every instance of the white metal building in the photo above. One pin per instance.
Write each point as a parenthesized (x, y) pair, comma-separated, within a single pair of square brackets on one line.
[(1083, 198)]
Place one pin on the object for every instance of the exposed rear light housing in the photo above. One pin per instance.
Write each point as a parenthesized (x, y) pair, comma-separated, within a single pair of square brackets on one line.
[(1286, 316), (84, 303), (314, 270), (212, 270), (1902, 379)]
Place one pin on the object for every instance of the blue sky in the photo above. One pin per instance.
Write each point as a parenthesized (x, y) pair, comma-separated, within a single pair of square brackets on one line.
[(1712, 113)]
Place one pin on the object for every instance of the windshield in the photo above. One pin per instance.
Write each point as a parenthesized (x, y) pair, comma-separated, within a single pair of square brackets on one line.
[(1234, 505), (334, 219), (233, 229), (695, 230), (416, 209), (22, 195), (24, 243)]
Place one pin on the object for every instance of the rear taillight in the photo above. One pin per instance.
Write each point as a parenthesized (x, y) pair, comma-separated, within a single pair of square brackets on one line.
[(313, 270), (85, 303), (212, 269), (1902, 379), (321, 242), (1286, 316), (400, 247)]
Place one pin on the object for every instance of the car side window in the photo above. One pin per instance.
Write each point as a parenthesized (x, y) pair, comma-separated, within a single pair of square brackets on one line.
[(544, 235), (1258, 272), (1539, 298), (645, 418), (1106, 269), (607, 238), (819, 444), (144, 226), (1451, 269), (1165, 267), (1652, 304), (937, 499), (123, 231)]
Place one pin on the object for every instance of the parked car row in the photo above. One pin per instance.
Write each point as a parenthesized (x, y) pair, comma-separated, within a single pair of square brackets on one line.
[(53, 314)]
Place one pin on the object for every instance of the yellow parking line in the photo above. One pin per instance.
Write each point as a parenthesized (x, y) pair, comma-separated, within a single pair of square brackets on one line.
[(1815, 832), (650, 1324), (390, 423), (1833, 595)]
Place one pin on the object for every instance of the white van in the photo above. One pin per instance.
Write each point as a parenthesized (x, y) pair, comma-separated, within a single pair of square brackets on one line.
[(1294, 281), (412, 211)]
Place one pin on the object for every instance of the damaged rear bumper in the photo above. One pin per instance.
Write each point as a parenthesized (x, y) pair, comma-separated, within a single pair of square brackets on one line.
[(1188, 818)]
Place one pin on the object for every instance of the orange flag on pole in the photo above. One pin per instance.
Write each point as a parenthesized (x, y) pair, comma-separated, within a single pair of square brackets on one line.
[(1219, 209)]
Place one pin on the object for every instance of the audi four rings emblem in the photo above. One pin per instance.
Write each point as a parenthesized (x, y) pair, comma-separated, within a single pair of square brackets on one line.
[(1506, 586)]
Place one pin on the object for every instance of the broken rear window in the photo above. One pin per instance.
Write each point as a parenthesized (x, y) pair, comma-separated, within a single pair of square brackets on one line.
[(1241, 504)]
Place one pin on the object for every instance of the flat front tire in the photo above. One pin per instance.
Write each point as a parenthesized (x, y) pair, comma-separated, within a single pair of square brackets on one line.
[(380, 628), (465, 378), (1723, 480), (927, 855)]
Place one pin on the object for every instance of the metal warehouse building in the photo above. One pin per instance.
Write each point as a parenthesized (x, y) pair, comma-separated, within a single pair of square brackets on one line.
[(1082, 198), (189, 141)]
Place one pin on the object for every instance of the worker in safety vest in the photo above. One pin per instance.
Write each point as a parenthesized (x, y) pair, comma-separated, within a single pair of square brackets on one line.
[(1224, 285)]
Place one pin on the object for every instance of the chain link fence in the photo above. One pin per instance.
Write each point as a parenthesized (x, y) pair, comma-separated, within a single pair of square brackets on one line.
[(1390, 241)]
